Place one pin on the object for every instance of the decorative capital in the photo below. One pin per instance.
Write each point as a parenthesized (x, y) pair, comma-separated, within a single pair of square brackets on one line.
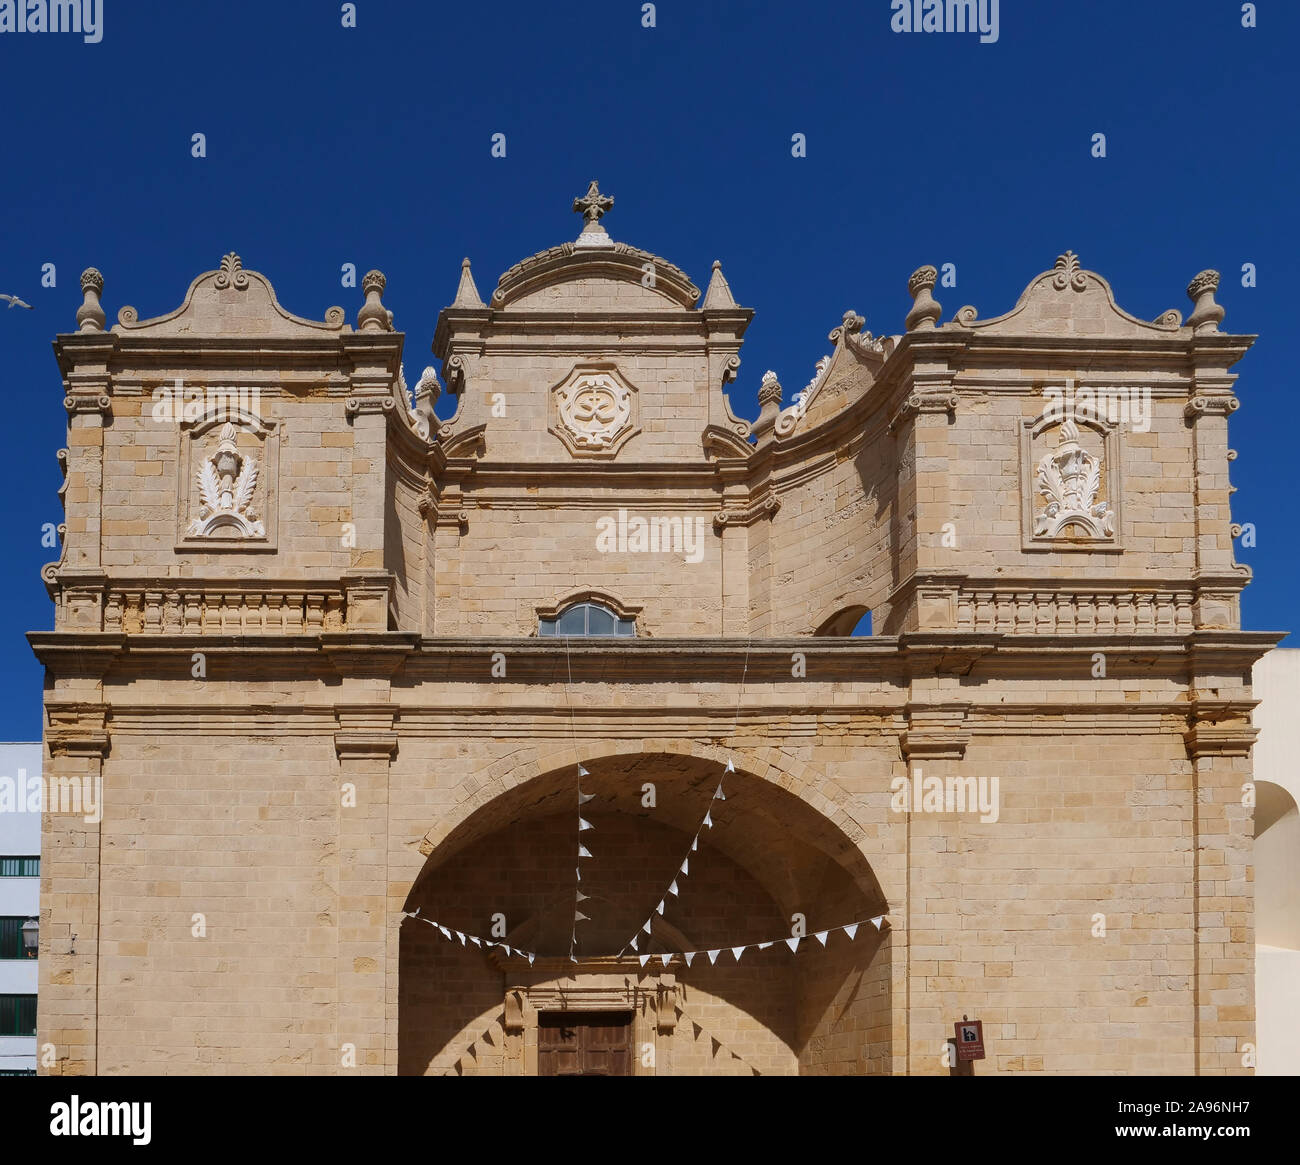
[(1219, 405), (90, 316), (373, 316), (919, 403), (1206, 314), (925, 309)]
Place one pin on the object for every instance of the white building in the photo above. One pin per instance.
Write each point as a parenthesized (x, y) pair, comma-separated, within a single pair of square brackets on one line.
[(20, 885), (1277, 863)]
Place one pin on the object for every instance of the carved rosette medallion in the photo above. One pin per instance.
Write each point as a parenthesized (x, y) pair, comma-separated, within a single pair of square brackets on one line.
[(594, 411)]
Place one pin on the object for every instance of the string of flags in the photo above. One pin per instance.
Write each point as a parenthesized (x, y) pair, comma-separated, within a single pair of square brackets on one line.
[(451, 935), (583, 852), (793, 942), (685, 867)]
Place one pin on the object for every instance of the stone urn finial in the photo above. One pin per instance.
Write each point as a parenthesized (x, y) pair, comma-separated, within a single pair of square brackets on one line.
[(769, 392), (925, 311), (373, 316), (1206, 314), (90, 316)]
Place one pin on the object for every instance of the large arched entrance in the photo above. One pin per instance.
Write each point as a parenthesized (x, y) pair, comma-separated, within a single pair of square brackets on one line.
[(508, 871)]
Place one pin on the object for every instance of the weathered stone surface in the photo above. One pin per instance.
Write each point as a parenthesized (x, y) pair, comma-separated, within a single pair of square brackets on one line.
[(338, 708)]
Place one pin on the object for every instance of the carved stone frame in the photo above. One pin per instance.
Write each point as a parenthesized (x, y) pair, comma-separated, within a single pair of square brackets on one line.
[(606, 984), (1113, 468), (603, 368), (191, 434)]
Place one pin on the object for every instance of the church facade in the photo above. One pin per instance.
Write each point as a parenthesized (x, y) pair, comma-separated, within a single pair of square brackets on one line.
[(538, 740)]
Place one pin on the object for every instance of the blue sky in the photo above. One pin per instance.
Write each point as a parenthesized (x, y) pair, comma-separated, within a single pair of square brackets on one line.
[(371, 145)]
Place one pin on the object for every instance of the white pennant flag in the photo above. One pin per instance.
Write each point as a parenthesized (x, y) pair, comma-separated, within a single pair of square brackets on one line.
[(665, 959), (581, 896), (686, 865), (695, 844), (584, 825), (644, 959), (583, 798), (578, 916), (646, 928), (688, 956), (531, 957), (820, 936), (719, 795), (673, 888), (582, 772), (583, 851), (660, 908), (877, 921), (764, 946), (708, 821), (851, 930), (713, 955), (577, 873), (633, 943), (730, 767), (792, 943), (738, 951), (478, 943), (445, 932), (461, 937), (414, 913)]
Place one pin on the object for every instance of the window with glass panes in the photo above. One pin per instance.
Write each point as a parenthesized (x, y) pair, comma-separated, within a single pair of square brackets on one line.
[(587, 619), (17, 1015), (21, 867), (11, 936)]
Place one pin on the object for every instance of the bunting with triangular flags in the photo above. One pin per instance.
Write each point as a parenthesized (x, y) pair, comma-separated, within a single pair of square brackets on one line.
[(665, 958)]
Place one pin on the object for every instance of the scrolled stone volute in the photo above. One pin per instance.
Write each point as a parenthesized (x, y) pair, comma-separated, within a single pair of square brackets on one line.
[(373, 316), (925, 311), (1206, 314), (90, 316)]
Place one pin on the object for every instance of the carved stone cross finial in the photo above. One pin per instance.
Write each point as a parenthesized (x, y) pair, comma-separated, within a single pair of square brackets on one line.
[(593, 204)]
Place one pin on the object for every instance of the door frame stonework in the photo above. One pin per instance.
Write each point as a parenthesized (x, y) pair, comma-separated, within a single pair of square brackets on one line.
[(614, 985)]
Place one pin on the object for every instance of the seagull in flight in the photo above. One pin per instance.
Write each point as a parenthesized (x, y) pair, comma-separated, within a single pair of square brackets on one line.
[(14, 301)]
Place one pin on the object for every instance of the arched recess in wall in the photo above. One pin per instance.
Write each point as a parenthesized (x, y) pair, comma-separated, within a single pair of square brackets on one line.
[(769, 856), (1277, 867), (852, 621)]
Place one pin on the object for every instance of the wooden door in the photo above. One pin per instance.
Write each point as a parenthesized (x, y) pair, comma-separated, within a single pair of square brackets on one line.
[(584, 1043)]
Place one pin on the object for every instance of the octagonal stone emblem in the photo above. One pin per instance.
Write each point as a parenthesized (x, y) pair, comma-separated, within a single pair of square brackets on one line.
[(594, 410)]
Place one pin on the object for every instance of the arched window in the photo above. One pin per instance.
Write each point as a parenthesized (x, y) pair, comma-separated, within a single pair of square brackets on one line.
[(850, 622), (588, 619)]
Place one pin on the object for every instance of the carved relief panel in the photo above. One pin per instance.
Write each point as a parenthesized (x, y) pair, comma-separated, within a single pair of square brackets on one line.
[(228, 473), (594, 411), (1071, 482)]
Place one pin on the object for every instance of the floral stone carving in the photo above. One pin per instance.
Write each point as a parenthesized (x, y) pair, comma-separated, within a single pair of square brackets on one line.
[(1069, 479), (226, 480)]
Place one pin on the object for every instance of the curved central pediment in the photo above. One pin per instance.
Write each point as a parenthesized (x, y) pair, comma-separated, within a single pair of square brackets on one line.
[(539, 281)]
